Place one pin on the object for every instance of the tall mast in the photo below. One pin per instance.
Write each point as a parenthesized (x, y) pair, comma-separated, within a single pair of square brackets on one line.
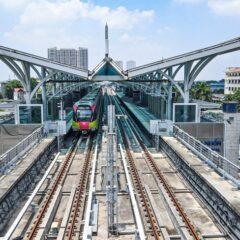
[(106, 41)]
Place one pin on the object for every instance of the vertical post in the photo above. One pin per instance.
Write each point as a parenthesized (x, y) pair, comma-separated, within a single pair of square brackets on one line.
[(44, 95), (169, 97), (112, 175), (26, 68)]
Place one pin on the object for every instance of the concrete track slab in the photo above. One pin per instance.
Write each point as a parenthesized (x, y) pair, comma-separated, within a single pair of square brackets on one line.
[(23, 166), (200, 220), (167, 222), (225, 188)]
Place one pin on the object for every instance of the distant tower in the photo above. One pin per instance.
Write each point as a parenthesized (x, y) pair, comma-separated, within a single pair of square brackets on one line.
[(130, 64), (106, 41)]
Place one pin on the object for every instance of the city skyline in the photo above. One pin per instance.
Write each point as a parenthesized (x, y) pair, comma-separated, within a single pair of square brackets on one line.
[(142, 31)]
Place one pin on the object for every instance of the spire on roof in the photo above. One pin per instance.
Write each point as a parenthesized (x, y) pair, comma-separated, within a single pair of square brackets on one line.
[(106, 41)]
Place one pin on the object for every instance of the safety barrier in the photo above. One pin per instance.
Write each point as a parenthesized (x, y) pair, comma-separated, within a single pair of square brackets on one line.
[(221, 164), (9, 158)]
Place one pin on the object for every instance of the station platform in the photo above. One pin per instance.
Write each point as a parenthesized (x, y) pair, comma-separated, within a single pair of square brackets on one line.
[(8, 182), (141, 113)]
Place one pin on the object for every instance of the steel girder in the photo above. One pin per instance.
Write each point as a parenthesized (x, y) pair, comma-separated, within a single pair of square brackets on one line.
[(63, 89), (147, 88), (23, 70), (191, 70)]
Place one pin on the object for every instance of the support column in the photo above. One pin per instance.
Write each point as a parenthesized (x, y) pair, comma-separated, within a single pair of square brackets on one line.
[(26, 68), (169, 96), (187, 71), (169, 102), (44, 96)]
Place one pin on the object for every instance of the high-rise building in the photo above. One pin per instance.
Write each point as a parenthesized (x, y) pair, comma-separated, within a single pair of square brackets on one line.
[(82, 58), (232, 80), (130, 64), (119, 63), (53, 54), (70, 56)]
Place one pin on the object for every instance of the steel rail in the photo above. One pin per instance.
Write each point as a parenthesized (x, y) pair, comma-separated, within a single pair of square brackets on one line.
[(165, 184), (58, 180), (137, 215), (140, 188), (162, 179), (90, 196), (79, 193)]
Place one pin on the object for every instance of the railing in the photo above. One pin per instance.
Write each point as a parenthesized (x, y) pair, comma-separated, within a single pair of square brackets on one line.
[(9, 158), (222, 165)]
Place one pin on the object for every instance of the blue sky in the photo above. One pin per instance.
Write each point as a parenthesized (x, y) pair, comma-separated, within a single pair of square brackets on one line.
[(144, 31)]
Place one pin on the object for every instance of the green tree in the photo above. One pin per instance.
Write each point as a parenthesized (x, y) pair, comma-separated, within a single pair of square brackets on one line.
[(10, 85), (201, 91), (34, 82), (234, 97)]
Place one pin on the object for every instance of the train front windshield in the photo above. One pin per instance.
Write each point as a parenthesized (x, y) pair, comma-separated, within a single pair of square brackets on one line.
[(84, 114)]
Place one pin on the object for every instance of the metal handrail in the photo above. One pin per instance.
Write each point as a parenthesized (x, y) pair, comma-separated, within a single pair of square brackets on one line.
[(221, 164), (9, 158)]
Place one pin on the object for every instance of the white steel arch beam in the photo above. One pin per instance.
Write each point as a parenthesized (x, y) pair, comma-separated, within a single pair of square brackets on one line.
[(177, 70), (218, 49), (15, 71), (42, 62), (36, 71), (197, 69), (67, 89), (41, 83), (173, 82), (17, 67)]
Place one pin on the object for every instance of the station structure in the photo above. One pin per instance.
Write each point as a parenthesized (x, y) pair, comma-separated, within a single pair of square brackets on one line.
[(157, 77), (113, 183)]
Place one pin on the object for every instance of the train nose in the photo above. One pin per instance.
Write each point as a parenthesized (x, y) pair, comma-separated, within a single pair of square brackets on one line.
[(84, 125)]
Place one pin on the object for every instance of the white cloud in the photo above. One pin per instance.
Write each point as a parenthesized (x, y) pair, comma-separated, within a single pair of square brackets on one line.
[(46, 12), (72, 23), (221, 7), (225, 7), (189, 1), (13, 3)]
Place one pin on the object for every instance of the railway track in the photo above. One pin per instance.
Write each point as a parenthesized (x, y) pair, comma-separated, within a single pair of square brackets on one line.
[(161, 179), (78, 201), (170, 193), (57, 182), (159, 201), (140, 188)]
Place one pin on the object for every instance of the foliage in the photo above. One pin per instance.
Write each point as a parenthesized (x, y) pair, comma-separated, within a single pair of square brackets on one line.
[(234, 97), (177, 94), (201, 91), (219, 91), (34, 82), (11, 84)]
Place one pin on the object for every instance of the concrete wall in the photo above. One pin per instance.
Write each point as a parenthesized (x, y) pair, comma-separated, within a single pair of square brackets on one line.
[(11, 134)]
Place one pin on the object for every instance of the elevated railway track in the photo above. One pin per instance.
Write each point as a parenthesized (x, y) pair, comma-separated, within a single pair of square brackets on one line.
[(154, 198)]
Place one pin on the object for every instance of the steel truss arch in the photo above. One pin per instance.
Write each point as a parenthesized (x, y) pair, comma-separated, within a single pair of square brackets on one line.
[(67, 89)]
